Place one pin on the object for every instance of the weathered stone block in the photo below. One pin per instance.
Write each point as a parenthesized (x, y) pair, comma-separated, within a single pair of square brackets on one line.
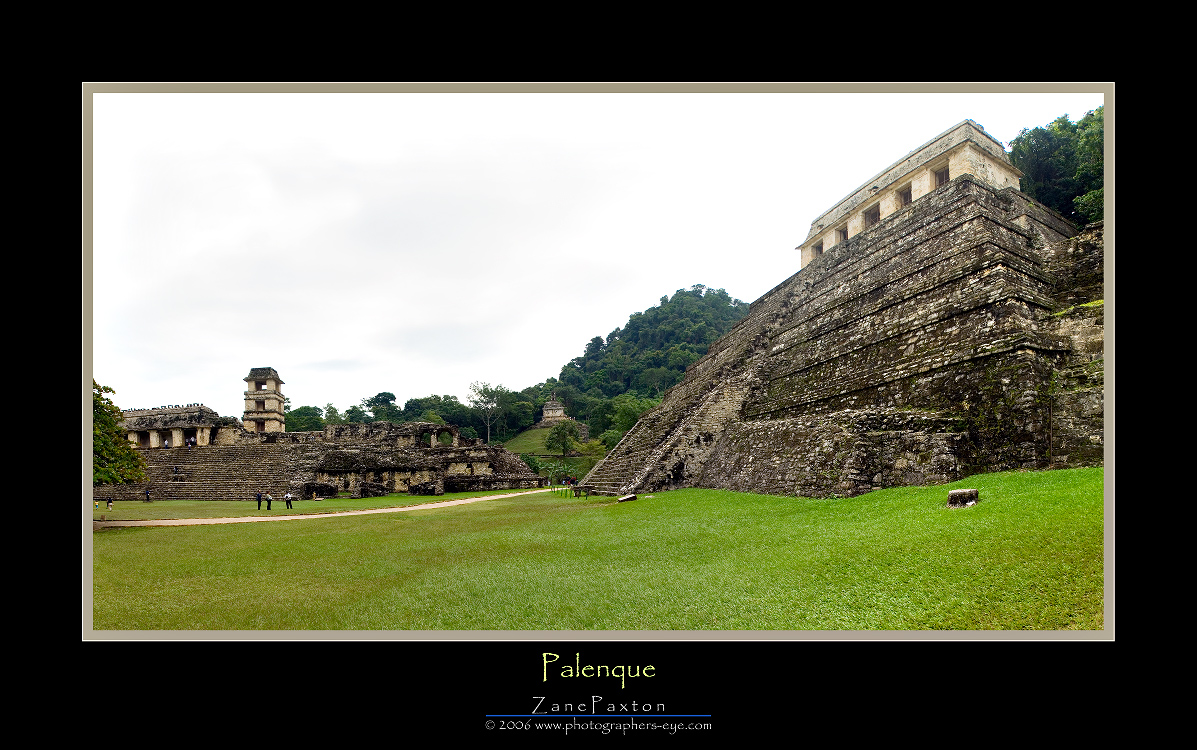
[(435, 487), (317, 490), (372, 489), (963, 498)]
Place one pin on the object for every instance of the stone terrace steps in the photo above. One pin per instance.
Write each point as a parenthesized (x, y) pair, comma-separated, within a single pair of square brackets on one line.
[(208, 473), (639, 462), (626, 465)]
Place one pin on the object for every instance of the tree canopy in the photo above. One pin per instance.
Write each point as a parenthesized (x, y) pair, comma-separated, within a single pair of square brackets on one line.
[(485, 400), (1063, 165), (114, 460), (332, 416), (382, 408), (305, 419), (651, 352), (563, 437), (618, 376)]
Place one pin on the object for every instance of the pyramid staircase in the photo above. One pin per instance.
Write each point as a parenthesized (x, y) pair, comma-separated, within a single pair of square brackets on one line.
[(639, 452)]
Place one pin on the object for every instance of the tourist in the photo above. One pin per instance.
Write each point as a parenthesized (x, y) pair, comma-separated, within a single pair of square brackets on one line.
[(109, 503), (269, 500), (259, 501), (287, 497)]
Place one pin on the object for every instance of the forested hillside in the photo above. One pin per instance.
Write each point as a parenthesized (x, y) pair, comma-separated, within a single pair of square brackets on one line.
[(1063, 165), (616, 378), (652, 351), (627, 371)]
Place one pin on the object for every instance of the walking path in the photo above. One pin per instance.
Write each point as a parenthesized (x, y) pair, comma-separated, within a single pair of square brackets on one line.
[(253, 519)]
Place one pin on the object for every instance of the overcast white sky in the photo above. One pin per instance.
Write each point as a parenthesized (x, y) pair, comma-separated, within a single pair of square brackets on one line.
[(416, 242)]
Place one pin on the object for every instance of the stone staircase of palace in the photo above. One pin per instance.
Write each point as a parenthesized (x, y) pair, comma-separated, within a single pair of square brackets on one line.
[(209, 473)]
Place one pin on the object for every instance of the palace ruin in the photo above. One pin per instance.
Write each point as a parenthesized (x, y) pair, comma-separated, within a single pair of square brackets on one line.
[(192, 453), (942, 324)]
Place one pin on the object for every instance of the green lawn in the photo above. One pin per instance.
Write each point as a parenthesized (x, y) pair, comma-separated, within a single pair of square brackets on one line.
[(532, 441), (529, 441), (169, 509), (1028, 556)]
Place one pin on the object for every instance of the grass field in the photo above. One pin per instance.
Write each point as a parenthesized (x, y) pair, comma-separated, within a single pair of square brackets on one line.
[(171, 509), (532, 441), (1028, 556), (529, 441)]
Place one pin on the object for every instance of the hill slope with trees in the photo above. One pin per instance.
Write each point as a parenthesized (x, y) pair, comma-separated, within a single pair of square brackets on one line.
[(631, 368), (1063, 165), (616, 378)]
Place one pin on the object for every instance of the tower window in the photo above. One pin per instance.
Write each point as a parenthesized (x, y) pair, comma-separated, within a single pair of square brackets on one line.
[(941, 177), (905, 196), (872, 216)]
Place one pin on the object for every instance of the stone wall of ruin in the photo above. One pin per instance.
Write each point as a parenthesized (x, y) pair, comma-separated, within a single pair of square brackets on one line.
[(924, 349), (373, 459)]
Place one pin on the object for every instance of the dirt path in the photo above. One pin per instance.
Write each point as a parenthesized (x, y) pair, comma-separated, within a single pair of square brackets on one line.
[(306, 516)]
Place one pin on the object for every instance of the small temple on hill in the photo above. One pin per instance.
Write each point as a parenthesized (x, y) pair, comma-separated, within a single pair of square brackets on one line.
[(554, 412)]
